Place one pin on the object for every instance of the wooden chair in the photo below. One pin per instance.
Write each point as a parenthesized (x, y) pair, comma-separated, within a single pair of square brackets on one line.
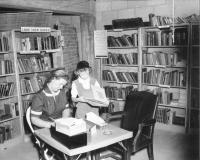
[(139, 117)]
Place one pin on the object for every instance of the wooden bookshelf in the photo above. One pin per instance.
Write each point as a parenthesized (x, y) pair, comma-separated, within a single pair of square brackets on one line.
[(26, 58), (194, 70), (162, 67), (120, 69), (164, 71)]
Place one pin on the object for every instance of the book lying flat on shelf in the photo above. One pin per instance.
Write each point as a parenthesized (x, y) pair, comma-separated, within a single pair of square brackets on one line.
[(98, 98)]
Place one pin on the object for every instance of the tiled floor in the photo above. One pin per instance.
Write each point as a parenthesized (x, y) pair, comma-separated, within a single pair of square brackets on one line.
[(167, 146)]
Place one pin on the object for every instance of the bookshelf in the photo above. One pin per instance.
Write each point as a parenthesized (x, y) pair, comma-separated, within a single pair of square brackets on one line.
[(120, 69), (164, 71), (194, 115), (26, 60), (161, 65)]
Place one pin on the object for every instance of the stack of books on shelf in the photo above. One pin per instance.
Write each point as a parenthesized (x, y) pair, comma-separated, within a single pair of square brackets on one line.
[(163, 115), (175, 78), (117, 58), (32, 84), (5, 133), (180, 36), (117, 93), (164, 37), (6, 89), (108, 75), (131, 77), (162, 59), (168, 116), (4, 43), (9, 111), (37, 43), (195, 34), (127, 77), (123, 41), (6, 67), (35, 63), (195, 99), (157, 20)]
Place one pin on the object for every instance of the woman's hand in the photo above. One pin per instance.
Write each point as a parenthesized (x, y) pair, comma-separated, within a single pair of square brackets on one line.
[(66, 113)]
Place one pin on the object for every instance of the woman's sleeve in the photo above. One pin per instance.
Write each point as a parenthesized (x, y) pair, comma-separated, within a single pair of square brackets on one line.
[(37, 104)]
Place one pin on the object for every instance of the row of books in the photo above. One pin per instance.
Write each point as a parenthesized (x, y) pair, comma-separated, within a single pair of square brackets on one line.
[(163, 59), (31, 84), (26, 104), (9, 111), (35, 63), (195, 57), (194, 119), (5, 133), (6, 89), (123, 41), (175, 78), (195, 99), (37, 43), (168, 116), (6, 67), (117, 93), (109, 75), (195, 35), (157, 20), (117, 58), (165, 38), (170, 96), (4, 42), (195, 79), (163, 115)]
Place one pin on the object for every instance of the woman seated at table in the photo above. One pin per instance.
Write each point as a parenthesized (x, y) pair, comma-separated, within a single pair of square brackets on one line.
[(51, 101)]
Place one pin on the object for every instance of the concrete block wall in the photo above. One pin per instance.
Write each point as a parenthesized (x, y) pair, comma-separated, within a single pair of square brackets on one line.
[(70, 49), (107, 10)]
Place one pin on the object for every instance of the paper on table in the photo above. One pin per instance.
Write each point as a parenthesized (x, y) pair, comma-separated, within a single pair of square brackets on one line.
[(92, 117)]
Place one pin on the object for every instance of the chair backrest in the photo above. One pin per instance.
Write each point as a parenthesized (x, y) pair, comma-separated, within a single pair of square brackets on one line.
[(28, 119), (140, 106)]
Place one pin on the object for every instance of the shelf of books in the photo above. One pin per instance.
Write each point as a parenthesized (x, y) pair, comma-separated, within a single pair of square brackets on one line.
[(10, 120), (164, 71), (26, 59), (38, 53), (120, 69), (194, 96)]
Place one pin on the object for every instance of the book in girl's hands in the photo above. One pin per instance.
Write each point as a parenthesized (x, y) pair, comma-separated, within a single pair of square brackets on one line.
[(98, 98)]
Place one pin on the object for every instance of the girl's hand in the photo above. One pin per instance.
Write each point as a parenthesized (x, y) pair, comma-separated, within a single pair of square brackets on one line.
[(82, 99)]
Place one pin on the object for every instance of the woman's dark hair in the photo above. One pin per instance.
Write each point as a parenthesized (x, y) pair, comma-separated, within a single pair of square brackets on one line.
[(58, 73)]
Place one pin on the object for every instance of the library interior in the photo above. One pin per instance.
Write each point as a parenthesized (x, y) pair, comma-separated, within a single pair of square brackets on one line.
[(144, 59)]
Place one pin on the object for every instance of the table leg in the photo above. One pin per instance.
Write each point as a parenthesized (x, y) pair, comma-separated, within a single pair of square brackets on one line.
[(127, 153), (88, 156)]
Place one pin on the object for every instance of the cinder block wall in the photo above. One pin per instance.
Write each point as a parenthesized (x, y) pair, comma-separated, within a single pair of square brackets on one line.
[(107, 10)]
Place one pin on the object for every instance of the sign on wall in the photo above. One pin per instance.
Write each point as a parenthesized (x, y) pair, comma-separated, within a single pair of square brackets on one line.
[(100, 44), (35, 29)]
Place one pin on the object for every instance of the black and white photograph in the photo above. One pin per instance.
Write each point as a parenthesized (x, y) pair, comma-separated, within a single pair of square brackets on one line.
[(99, 79)]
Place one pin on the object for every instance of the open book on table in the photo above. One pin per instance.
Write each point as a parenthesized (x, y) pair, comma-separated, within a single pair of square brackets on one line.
[(98, 98)]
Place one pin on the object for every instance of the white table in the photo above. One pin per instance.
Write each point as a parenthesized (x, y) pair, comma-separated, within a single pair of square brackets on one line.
[(94, 142)]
